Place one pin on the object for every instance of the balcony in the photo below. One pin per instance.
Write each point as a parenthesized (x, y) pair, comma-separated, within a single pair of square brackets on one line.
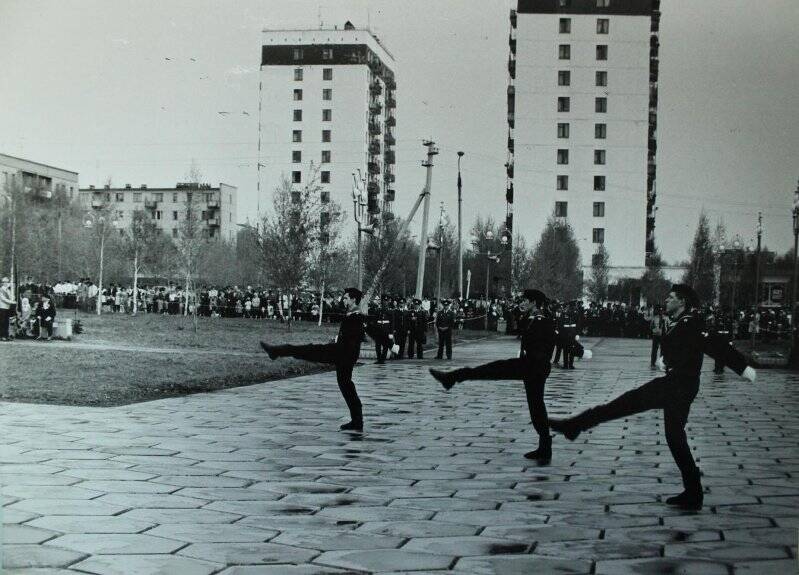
[(296, 197), (43, 194), (510, 144), (389, 139), (511, 120), (391, 84), (325, 197), (510, 170), (375, 109), (388, 217), (373, 188), (390, 157), (374, 148), (375, 66), (512, 43), (213, 222), (373, 168), (375, 88), (389, 195), (391, 102), (372, 206), (391, 121), (509, 194), (512, 68), (213, 204), (150, 204), (513, 18), (324, 218), (375, 128), (389, 177)]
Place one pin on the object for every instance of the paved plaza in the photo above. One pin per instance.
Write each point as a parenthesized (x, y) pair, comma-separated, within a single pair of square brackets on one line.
[(258, 480)]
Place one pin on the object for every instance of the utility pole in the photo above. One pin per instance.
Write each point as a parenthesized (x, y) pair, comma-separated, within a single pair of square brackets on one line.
[(440, 251), (431, 151), (757, 277), (460, 222)]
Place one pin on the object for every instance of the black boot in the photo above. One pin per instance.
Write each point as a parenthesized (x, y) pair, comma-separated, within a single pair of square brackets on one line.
[(353, 425), (692, 498), (543, 455), (568, 426), (272, 350), (446, 378)]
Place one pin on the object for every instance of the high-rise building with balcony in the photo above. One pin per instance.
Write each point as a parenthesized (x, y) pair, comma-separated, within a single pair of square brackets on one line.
[(582, 124), (328, 102), (40, 181), (214, 207)]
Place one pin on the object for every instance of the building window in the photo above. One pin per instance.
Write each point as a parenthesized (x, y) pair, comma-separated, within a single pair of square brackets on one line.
[(137, 197), (602, 52), (325, 177), (602, 3), (601, 78), (174, 197), (601, 105), (327, 53), (174, 216), (600, 131), (327, 73), (563, 104), (296, 177), (564, 52), (561, 209), (327, 115), (602, 25), (563, 156), (325, 156), (599, 157), (599, 183), (120, 197), (325, 135), (159, 197), (296, 136), (563, 183), (564, 3), (298, 115), (297, 74), (599, 209), (563, 130), (157, 214), (297, 94), (327, 94), (297, 53), (565, 26), (564, 78), (599, 235), (188, 196), (296, 156), (174, 232)]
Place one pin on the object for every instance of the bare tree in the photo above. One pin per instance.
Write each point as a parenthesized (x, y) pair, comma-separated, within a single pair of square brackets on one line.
[(143, 244), (598, 282)]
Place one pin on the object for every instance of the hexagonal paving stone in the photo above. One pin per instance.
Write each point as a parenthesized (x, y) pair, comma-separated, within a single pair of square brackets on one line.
[(27, 556), (145, 565), (113, 486), (491, 517), (660, 566), (542, 533), (180, 516), (765, 536), (25, 534), (520, 565), (466, 546), (50, 492), (384, 560), (723, 551), (152, 501), (335, 541), (297, 522), (364, 514), (260, 508), (116, 544), (247, 553), (597, 550), (418, 529), (66, 507), (90, 524), (285, 570), (662, 535), (234, 533), (443, 504), (605, 520), (303, 487)]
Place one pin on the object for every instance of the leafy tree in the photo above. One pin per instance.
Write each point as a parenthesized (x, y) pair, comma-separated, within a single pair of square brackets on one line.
[(400, 275), (556, 262), (600, 268), (654, 285), (522, 265), (144, 245), (700, 273)]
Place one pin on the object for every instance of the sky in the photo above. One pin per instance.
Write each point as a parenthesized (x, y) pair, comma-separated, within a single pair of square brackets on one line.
[(132, 90)]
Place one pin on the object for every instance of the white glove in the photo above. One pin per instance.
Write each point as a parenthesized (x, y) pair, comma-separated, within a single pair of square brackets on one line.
[(588, 354), (660, 365), (520, 354), (576, 338), (391, 336), (750, 374), (395, 349)]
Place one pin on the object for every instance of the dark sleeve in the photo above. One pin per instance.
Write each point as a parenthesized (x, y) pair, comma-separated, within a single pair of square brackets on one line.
[(378, 335), (719, 348)]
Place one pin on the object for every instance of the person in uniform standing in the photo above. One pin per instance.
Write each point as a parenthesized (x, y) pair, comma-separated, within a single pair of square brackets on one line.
[(445, 323), (532, 366), (399, 326), (657, 325), (684, 344), (417, 330), (383, 325), (343, 353)]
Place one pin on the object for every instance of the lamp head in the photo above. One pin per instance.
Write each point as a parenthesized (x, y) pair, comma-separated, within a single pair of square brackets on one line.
[(489, 235)]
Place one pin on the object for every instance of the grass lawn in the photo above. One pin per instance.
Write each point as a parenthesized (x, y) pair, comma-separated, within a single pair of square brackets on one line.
[(121, 359)]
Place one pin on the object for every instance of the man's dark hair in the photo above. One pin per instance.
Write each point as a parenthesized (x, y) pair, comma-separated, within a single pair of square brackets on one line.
[(354, 293), (686, 293), (536, 296)]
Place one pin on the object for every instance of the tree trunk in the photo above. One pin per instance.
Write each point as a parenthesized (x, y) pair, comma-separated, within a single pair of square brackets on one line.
[(135, 283), (100, 279)]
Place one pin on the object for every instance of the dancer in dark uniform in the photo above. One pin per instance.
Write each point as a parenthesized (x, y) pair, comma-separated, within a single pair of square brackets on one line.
[(532, 366), (343, 353), (683, 346)]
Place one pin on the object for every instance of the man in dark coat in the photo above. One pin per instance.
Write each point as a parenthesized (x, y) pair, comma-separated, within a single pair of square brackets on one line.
[(343, 353), (445, 323), (683, 346), (399, 325), (532, 366), (382, 318), (46, 315), (417, 330)]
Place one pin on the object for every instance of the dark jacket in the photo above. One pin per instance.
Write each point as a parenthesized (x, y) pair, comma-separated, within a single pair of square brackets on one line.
[(685, 343), (42, 313), (351, 332), (445, 319), (538, 338)]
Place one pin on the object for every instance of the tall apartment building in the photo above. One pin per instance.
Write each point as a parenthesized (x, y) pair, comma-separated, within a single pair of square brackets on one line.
[(37, 179), (328, 103), (582, 117), (214, 206)]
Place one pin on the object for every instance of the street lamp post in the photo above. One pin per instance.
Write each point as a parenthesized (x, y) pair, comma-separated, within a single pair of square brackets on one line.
[(460, 244), (757, 277), (794, 333), (359, 211)]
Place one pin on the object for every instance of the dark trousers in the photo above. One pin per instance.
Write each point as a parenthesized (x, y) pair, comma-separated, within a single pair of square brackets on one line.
[(381, 351), (655, 347), (399, 338), (47, 326), (415, 345), (5, 316), (534, 378), (670, 393), (329, 353), (444, 341)]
